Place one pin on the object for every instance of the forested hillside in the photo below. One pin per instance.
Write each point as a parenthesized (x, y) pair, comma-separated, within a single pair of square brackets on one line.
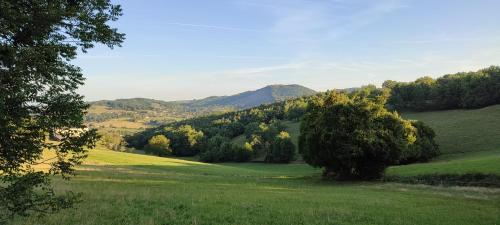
[(142, 112)]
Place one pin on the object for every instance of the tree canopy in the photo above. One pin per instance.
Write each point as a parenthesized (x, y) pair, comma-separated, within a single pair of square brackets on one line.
[(159, 145), (453, 91), (282, 149), (353, 138), (38, 85)]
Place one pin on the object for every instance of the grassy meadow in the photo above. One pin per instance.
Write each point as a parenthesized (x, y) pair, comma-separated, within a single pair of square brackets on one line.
[(469, 141), (475, 162), (459, 131), (123, 188)]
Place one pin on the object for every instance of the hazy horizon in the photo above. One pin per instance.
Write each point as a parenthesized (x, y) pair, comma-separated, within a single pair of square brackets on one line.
[(196, 49)]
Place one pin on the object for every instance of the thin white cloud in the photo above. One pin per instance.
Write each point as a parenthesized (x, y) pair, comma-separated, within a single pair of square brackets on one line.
[(210, 27), (250, 57), (263, 71), (115, 56)]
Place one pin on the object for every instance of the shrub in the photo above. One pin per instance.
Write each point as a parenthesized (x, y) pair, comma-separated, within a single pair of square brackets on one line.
[(159, 145), (353, 138), (424, 148), (282, 149)]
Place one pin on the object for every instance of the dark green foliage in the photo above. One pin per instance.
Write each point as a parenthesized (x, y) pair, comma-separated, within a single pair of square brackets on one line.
[(220, 149), (185, 140), (468, 179), (424, 148), (353, 138), (38, 94), (282, 150), (259, 125), (295, 109), (455, 91), (158, 145), (262, 121)]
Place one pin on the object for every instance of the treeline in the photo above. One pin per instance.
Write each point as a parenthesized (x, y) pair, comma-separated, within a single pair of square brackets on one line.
[(466, 90)]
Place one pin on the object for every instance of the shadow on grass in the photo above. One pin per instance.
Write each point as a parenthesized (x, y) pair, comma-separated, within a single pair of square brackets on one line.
[(468, 179)]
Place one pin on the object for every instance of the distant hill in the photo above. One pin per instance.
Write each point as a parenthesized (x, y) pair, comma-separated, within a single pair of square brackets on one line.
[(144, 112), (249, 99)]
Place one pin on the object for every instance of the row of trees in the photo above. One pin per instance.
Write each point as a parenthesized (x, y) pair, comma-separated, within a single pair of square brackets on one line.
[(455, 91)]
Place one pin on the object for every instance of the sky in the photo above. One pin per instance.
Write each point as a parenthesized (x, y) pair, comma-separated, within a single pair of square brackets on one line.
[(191, 49)]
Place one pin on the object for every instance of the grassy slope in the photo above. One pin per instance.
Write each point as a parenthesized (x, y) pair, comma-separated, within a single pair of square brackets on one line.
[(121, 188), (464, 130), (469, 140), (477, 162)]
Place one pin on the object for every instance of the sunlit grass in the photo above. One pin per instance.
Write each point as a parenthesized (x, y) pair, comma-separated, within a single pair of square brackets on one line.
[(123, 188), (464, 130), (476, 162)]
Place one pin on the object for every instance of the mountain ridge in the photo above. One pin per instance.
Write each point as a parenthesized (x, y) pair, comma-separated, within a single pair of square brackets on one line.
[(248, 99)]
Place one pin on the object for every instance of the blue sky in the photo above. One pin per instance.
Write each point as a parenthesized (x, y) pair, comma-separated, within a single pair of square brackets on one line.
[(197, 48)]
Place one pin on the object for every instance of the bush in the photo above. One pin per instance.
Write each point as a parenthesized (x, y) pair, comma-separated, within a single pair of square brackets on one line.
[(353, 138), (424, 148), (159, 145), (282, 149)]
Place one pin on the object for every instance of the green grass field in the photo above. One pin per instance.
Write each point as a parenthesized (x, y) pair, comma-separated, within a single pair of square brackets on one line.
[(468, 139), (124, 188), (461, 131), (475, 162)]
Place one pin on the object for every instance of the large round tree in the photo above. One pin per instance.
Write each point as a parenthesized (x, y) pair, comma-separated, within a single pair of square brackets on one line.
[(352, 138), (38, 95)]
